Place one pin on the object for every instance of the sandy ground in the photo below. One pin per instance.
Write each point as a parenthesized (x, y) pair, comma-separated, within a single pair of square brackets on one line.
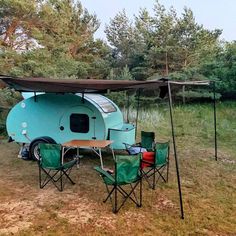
[(25, 209), (23, 203)]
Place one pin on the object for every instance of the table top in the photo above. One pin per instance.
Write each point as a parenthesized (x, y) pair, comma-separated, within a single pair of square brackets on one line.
[(88, 143)]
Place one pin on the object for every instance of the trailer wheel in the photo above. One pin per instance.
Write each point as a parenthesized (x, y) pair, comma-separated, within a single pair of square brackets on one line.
[(34, 146)]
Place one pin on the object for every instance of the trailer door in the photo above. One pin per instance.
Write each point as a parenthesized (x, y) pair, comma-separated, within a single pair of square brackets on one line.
[(78, 123)]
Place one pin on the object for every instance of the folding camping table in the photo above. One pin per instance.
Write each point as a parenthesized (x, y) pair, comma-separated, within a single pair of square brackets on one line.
[(95, 145)]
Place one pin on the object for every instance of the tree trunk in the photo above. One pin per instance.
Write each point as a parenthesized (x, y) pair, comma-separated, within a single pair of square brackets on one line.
[(9, 32), (167, 66), (183, 94)]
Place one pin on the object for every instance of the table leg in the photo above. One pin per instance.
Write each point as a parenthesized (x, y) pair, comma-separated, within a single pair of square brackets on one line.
[(62, 155), (113, 154), (77, 158), (100, 155)]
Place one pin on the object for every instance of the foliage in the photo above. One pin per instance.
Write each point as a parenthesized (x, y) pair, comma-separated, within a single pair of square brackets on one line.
[(223, 68), (198, 95), (55, 38), (163, 44), (8, 98), (51, 39)]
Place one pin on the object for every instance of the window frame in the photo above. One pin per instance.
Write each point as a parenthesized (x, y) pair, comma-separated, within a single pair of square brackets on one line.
[(86, 121)]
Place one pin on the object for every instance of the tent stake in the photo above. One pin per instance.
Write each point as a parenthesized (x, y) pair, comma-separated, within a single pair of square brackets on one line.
[(214, 105), (175, 152)]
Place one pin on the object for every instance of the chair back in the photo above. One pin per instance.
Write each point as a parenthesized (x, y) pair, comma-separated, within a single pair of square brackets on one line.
[(50, 155), (127, 168), (161, 153), (147, 139)]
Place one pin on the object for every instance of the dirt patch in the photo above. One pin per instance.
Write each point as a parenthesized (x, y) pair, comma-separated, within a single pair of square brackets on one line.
[(80, 210), (108, 222), (16, 215), (164, 203)]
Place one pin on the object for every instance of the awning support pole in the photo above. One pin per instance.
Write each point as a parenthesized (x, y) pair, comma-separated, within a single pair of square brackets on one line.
[(214, 104), (128, 104), (83, 97), (35, 98), (175, 152), (136, 122)]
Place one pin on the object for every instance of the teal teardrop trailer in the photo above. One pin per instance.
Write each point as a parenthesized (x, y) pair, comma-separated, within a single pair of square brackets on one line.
[(61, 117)]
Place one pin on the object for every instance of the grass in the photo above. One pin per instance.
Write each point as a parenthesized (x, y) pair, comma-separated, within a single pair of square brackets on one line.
[(209, 191)]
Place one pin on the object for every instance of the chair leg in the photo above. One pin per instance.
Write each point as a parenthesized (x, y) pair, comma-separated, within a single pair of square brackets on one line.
[(160, 172), (146, 176), (132, 189), (128, 195), (115, 204), (140, 193), (109, 193), (154, 180), (115, 210), (167, 172), (61, 181), (67, 175), (47, 178), (153, 172), (39, 177)]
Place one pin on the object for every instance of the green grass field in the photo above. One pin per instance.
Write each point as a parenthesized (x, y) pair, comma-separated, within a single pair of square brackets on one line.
[(209, 187)]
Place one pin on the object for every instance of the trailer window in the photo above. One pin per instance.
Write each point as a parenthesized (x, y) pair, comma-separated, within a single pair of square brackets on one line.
[(106, 105), (79, 123)]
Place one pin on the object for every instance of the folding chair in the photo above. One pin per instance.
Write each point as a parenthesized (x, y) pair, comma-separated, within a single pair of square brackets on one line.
[(51, 169), (147, 140), (146, 144), (156, 164), (127, 173)]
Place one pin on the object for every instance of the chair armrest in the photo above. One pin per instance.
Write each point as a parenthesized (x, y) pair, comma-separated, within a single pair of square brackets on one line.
[(127, 146), (104, 173), (133, 145), (69, 164)]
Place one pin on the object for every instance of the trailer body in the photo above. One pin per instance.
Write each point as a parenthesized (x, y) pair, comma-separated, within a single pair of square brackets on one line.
[(63, 117)]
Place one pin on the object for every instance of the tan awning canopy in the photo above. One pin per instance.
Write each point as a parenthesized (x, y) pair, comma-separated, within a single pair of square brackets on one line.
[(86, 85)]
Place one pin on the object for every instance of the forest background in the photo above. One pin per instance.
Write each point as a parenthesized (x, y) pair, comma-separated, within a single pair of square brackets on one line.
[(55, 39)]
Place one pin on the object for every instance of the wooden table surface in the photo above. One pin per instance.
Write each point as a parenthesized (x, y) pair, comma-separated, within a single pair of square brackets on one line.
[(88, 143)]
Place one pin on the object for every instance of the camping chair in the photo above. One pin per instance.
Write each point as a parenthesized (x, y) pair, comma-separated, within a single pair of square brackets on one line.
[(147, 140), (51, 168), (156, 164), (147, 143), (127, 173)]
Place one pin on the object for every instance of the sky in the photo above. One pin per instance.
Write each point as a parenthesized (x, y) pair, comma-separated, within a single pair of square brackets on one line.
[(212, 14)]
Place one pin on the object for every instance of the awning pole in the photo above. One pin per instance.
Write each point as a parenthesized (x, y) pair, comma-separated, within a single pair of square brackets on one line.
[(128, 104), (136, 122), (175, 152), (214, 103)]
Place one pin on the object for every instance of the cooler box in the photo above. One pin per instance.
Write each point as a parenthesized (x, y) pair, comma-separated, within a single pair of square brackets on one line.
[(124, 135), (147, 156)]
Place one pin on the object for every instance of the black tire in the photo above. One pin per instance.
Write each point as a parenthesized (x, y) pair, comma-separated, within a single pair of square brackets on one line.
[(34, 147)]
